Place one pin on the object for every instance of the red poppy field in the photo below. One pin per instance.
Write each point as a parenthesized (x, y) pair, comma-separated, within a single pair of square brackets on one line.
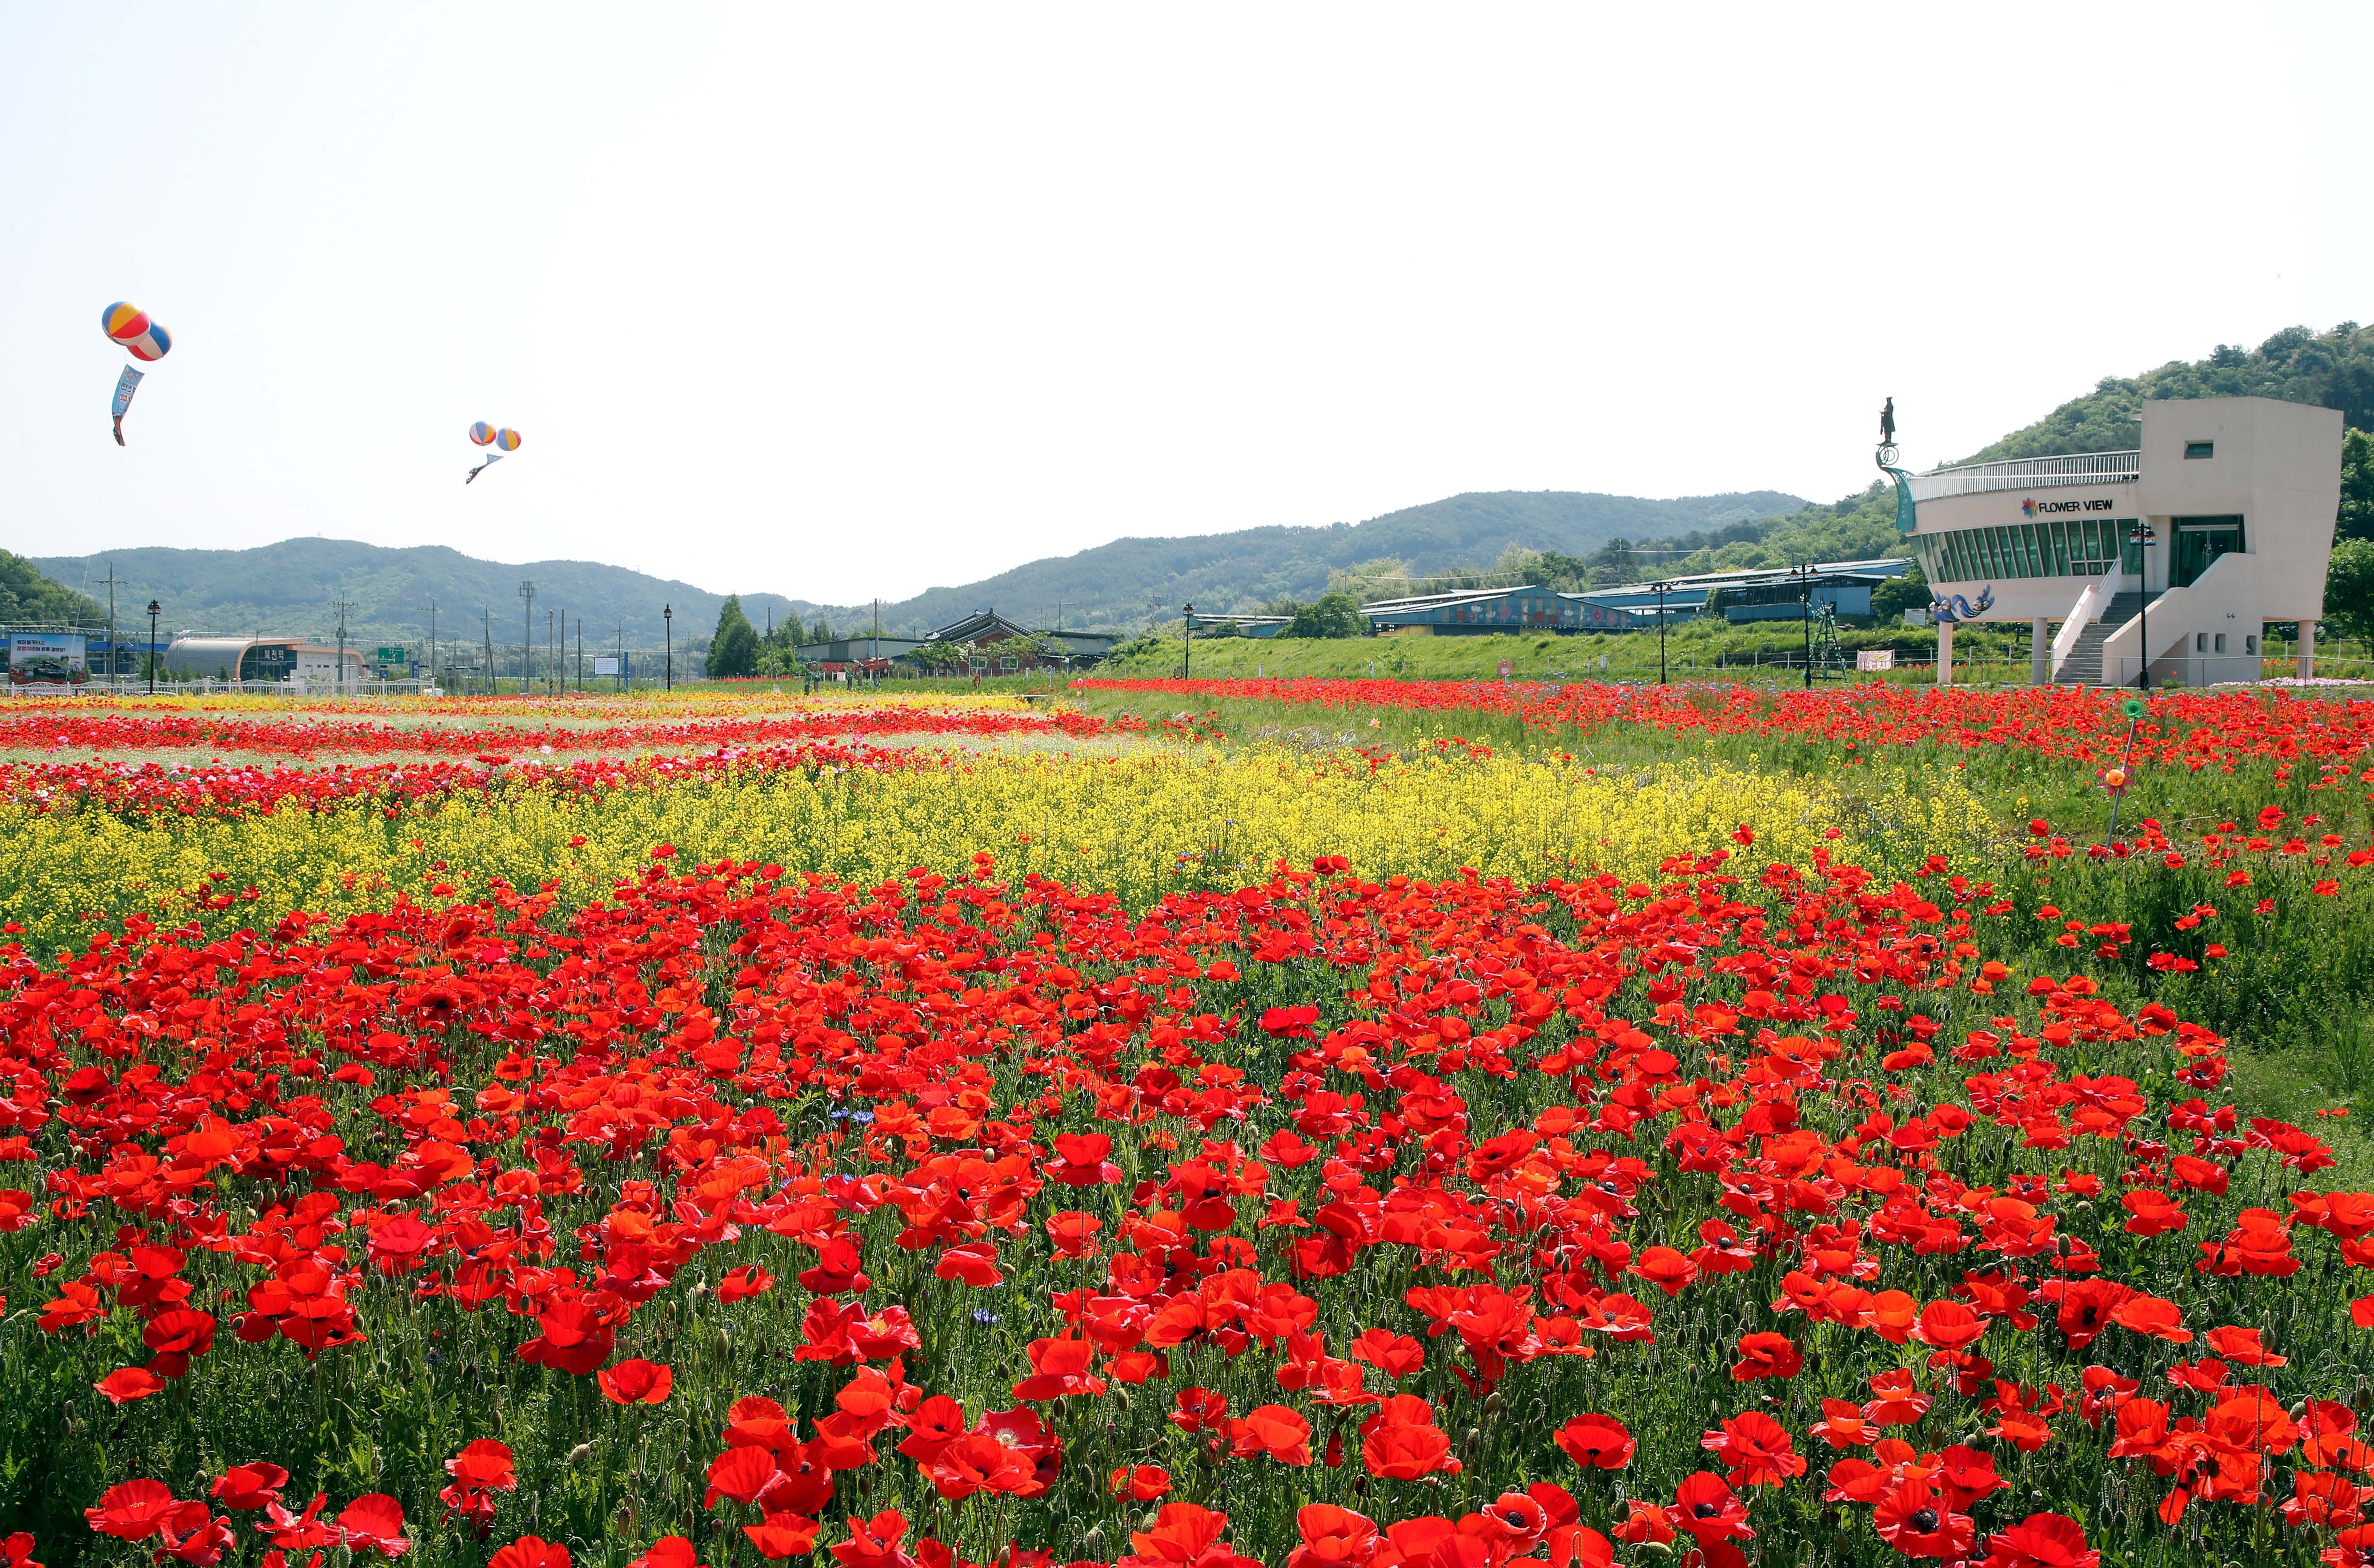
[(1756, 1208)]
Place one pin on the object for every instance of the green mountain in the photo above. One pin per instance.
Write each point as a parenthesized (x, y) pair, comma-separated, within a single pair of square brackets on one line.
[(29, 598), (293, 587), (1129, 581), (2297, 365)]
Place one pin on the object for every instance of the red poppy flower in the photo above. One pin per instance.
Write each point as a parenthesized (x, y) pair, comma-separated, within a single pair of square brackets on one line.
[(252, 1486), (1141, 1484), (637, 1383), (131, 1510), (1920, 1524), (1596, 1441), (1763, 1355), (1708, 1509), (1757, 1448), (531, 1551), (2043, 1540)]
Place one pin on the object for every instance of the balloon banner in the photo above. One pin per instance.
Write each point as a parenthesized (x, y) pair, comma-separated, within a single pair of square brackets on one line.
[(125, 385)]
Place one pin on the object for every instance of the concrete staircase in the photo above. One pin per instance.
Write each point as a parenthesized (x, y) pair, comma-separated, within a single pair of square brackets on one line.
[(2084, 665)]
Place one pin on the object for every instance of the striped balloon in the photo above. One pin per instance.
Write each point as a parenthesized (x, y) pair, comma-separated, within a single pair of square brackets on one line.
[(508, 439), (481, 433), (153, 344), (123, 321)]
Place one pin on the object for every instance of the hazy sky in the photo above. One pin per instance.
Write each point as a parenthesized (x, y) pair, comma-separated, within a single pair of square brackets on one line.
[(846, 300)]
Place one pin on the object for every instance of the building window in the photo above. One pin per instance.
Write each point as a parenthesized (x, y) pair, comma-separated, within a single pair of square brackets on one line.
[(2250, 642), (2200, 642), (2221, 643), (1009, 663), (2201, 449)]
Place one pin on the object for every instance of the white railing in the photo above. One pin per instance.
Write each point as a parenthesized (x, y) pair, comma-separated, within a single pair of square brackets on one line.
[(2030, 474), (2090, 607)]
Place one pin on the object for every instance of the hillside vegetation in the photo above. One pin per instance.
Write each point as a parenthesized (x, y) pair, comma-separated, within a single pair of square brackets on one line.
[(293, 587)]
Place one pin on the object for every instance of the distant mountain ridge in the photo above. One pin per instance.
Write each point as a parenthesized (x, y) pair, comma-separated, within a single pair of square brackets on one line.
[(293, 586)]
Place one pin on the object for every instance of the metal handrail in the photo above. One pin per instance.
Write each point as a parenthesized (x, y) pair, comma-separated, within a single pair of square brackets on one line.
[(2029, 474)]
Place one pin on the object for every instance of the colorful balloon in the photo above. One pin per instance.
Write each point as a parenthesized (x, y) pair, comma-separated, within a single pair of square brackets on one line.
[(481, 433), (508, 439), (153, 344), (123, 321)]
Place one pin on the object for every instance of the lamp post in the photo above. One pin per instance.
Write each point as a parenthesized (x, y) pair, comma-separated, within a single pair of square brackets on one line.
[(667, 623), (1187, 659), (1662, 589), (2142, 537), (1806, 602), (153, 610)]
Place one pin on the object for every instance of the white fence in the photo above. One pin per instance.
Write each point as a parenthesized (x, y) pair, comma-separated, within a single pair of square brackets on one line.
[(2030, 474)]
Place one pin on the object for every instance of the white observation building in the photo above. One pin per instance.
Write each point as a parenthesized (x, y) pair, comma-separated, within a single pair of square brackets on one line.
[(2240, 495)]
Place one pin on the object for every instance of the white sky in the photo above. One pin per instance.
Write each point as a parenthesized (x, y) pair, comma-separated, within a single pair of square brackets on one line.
[(844, 300)]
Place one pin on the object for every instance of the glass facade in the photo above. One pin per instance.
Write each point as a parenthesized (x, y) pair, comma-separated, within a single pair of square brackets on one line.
[(2064, 548)]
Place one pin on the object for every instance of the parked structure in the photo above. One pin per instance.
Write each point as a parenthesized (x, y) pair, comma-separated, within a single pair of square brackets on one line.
[(2219, 522)]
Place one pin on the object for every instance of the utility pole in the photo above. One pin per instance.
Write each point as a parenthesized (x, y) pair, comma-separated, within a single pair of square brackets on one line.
[(667, 618), (114, 653), (152, 645), (338, 678), (431, 608), (873, 653), (551, 658), (527, 634), (622, 658), (580, 654), (486, 628)]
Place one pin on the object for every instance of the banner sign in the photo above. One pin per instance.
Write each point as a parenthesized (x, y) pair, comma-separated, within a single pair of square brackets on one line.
[(125, 385), (1876, 659), (606, 666), (47, 658)]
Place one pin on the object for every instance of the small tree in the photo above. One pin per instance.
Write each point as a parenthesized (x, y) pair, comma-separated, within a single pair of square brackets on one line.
[(2356, 520), (2349, 590), (1334, 615), (1898, 594), (733, 649)]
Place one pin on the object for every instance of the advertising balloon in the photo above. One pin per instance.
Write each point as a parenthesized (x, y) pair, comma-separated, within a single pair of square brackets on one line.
[(502, 439), (141, 336)]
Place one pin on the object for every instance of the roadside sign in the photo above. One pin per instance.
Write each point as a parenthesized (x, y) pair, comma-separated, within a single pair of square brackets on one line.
[(1876, 659), (606, 666), (1508, 668)]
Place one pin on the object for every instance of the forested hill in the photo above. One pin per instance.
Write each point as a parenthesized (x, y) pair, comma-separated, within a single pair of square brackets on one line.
[(293, 587), (2297, 365), (1125, 582)]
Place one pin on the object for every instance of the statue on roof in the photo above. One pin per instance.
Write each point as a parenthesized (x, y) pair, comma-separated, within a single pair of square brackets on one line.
[(1888, 423)]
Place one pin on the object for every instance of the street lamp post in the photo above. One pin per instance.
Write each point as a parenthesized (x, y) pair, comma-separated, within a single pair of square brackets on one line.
[(1662, 589), (1805, 604), (2142, 538), (1187, 659), (667, 621), (153, 611)]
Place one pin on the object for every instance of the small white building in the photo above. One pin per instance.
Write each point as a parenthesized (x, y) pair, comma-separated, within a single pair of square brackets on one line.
[(191, 657), (2239, 496)]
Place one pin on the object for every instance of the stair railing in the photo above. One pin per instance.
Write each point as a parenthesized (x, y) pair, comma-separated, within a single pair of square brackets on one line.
[(2090, 607)]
